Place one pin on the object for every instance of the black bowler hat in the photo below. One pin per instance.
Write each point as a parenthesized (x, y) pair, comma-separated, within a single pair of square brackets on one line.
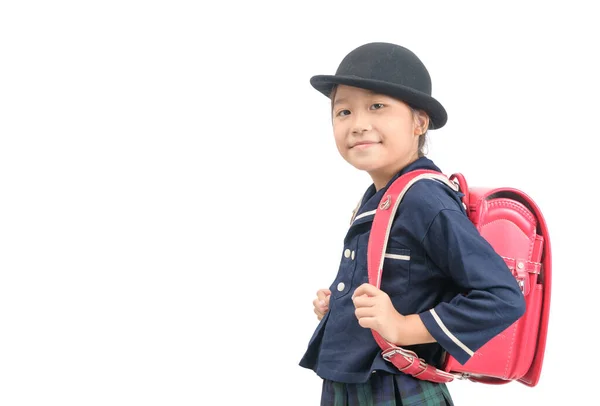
[(388, 69)]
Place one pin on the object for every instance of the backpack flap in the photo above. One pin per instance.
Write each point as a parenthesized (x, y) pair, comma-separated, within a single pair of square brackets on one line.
[(543, 254)]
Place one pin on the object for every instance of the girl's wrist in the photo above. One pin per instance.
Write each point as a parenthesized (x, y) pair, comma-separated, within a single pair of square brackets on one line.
[(411, 331), (401, 333)]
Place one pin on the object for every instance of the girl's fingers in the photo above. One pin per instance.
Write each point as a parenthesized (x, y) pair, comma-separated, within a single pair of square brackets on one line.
[(321, 303), (323, 295), (321, 306), (366, 289), (368, 322), (364, 301), (363, 312)]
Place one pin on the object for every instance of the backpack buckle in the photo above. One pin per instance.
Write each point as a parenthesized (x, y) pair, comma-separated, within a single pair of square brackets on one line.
[(522, 277)]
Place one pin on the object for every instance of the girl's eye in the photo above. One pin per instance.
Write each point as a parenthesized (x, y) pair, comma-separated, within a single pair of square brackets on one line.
[(343, 112), (377, 106)]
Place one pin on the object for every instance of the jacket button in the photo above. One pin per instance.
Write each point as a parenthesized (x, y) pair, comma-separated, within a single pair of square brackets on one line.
[(341, 286), (347, 253), (353, 255)]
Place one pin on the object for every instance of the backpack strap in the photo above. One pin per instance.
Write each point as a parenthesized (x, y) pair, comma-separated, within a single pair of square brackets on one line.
[(405, 360)]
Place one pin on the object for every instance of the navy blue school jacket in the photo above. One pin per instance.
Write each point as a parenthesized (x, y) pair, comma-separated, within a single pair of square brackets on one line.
[(437, 265)]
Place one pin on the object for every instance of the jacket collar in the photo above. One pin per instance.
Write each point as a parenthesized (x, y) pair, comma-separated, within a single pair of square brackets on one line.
[(367, 206)]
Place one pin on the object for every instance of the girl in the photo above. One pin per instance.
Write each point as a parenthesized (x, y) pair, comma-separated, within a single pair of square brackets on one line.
[(381, 110)]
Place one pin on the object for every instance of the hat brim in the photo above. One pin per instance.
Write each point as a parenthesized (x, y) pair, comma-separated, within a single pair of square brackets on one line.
[(419, 100)]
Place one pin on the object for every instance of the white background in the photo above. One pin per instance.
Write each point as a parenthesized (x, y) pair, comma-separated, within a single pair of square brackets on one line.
[(171, 197)]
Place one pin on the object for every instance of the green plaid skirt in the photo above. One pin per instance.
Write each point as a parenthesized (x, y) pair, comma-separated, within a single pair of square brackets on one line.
[(385, 389)]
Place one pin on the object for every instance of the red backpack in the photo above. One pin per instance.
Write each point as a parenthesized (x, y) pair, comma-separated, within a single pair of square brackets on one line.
[(513, 224)]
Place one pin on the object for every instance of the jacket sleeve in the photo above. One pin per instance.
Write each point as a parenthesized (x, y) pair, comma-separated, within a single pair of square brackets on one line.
[(492, 299)]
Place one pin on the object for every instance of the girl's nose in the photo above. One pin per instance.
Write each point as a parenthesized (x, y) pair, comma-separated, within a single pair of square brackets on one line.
[(361, 124)]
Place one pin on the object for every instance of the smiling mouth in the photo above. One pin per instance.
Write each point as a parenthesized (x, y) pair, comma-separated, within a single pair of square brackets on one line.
[(364, 144)]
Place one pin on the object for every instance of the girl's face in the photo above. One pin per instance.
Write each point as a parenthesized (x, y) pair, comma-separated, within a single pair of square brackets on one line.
[(376, 133)]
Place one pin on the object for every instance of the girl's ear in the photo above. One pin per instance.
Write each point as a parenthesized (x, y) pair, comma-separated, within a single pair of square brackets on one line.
[(421, 122)]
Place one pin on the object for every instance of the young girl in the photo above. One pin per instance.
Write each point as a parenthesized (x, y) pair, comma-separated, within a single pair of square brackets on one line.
[(381, 109)]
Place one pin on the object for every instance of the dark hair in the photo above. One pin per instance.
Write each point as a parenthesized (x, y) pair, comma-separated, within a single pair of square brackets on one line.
[(422, 137)]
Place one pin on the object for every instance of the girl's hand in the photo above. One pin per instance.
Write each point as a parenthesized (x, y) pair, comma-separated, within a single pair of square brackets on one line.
[(321, 303), (374, 310)]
